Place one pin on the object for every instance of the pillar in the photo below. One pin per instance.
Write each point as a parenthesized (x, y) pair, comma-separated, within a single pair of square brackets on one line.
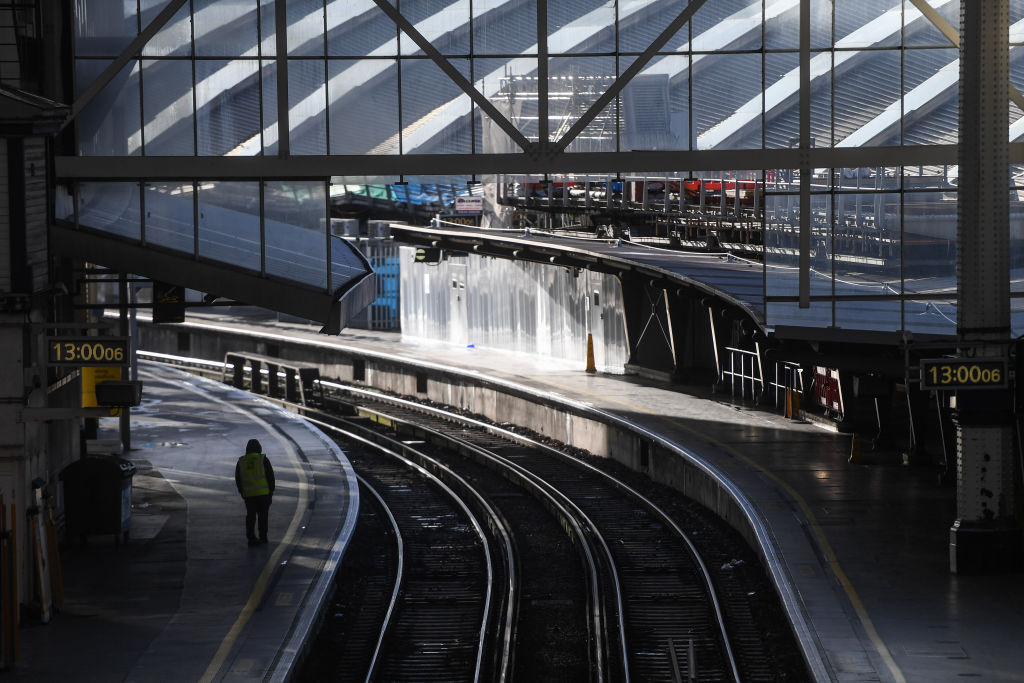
[(984, 536)]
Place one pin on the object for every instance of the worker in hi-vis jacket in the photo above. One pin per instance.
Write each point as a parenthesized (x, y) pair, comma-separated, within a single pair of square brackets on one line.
[(254, 478)]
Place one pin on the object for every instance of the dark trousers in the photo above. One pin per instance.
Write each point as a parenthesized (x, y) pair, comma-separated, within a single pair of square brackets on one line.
[(257, 509)]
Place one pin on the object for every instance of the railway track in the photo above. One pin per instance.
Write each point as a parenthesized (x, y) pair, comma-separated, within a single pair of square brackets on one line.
[(654, 606), (598, 581)]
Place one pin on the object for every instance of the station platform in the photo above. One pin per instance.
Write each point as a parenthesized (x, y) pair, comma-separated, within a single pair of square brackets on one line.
[(185, 598), (864, 545)]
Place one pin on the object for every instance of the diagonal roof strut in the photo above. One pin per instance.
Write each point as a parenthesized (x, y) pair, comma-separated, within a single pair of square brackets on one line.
[(627, 75), (453, 73), (126, 56)]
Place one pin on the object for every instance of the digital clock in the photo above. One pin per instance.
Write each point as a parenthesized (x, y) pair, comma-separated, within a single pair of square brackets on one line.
[(87, 351), (959, 373)]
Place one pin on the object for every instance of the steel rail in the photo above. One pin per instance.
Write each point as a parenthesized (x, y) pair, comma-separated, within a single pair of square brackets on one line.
[(650, 505), (399, 577), (447, 480), (578, 521), (412, 405)]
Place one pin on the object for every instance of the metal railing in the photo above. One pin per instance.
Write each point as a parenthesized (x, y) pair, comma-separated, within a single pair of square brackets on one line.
[(746, 376)]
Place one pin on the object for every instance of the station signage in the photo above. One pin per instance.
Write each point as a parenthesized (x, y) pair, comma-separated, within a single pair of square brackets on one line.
[(469, 206), (88, 351), (963, 373)]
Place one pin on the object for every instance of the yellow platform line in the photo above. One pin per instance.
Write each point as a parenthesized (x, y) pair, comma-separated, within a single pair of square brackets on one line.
[(819, 533), (260, 587)]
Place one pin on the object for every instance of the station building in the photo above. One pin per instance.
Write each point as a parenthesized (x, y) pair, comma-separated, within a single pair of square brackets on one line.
[(849, 170)]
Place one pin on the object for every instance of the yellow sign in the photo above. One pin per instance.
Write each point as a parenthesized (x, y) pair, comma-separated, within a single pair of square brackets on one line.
[(91, 376)]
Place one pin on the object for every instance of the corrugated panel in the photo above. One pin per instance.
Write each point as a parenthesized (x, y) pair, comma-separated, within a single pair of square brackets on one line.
[(514, 306)]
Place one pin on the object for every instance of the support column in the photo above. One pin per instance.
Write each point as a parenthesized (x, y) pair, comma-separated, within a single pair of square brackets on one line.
[(124, 329), (984, 536)]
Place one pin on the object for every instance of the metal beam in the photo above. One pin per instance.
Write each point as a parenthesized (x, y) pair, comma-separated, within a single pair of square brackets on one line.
[(453, 73), (326, 166), (953, 36), (126, 56), (804, 275), (639, 63), (279, 295), (543, 131), (284, 147)]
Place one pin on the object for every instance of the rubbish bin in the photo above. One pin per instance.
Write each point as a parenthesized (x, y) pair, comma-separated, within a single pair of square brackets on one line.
[(98, 496)]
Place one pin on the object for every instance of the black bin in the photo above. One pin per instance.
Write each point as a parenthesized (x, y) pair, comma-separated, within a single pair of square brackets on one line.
[(98, 496)]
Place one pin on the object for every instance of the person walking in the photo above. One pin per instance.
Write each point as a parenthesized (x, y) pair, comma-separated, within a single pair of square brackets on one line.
[(254, 478)]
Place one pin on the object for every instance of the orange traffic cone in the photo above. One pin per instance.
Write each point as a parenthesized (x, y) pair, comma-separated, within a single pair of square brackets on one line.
[(590, 353)]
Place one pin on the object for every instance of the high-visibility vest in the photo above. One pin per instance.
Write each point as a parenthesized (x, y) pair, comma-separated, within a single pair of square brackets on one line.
[(254, 475)]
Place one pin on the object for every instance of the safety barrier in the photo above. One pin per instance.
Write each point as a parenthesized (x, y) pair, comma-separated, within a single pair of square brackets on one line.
[(744, 373), (301, 382), (748, 376)]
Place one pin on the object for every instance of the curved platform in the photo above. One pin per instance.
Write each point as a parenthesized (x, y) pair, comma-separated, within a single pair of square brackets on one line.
[(862, 547), (185, 599)]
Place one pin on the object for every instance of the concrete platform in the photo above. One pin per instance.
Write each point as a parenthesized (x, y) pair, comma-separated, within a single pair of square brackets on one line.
[(185, 598), (864, 546)]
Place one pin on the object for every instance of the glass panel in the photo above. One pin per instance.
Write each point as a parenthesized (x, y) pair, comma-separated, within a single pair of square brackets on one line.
[(782, 116), (727, 88), (919, 30), (511, 86), (868, 315), (873, 178), (229, 223), (363, 97), (359, 29), (866, 86), (444, 26), (306, 28), (498, 31), (930, 241), (930, 316), (580, 27), (778, 313), (104, 28), (268, 44), (174, 39), (307, 106), (866, 254), (931, 100), (734, 25), (867, 23), (655, 111), (782, 26), (431, 104), (269, 139), (170, 217), (821, 24), (641, 22), (782, 233), (574, 84), (167, 107), (110, 124), (1016, 81), (1016, 30), (228, 107), (226, 29), (346, 264), (111, 207), (296, 231), (821, 101)]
